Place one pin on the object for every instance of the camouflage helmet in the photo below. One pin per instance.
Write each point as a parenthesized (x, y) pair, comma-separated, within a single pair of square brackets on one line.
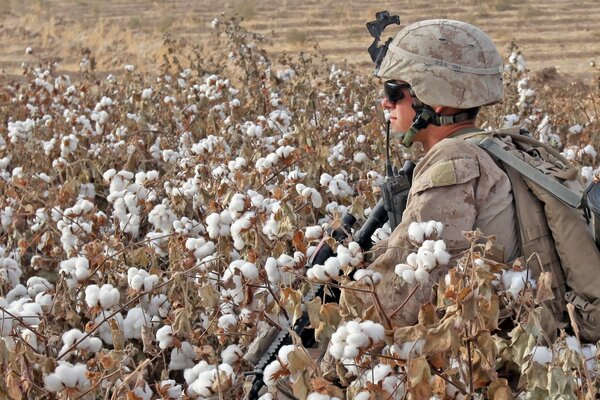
[(447, 63)]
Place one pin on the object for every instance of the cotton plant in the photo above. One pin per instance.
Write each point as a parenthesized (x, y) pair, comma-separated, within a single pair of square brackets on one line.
[(430, 254), (74, 339), (182, 357), (514, 281), (77, 270), (310, 194), (380, 376), (351, 340), (279, 367), (68, 377), (337, 185), (105, 297), (202, 380)]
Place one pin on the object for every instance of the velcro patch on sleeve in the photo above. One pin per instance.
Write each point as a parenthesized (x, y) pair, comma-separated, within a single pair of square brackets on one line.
[(447, 173), (443, 174)]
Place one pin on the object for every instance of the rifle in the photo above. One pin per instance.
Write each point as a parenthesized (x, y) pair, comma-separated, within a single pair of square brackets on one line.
[(390, 207)]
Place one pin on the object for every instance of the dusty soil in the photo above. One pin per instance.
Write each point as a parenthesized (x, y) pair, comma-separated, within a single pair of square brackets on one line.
[(551, 33)]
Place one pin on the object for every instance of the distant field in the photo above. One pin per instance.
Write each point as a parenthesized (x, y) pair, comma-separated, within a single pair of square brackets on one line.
[(551, 33)]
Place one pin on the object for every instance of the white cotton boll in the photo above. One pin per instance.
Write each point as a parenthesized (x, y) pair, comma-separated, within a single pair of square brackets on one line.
[(351, 352), (82, 266), (142, 392), (412, 260), (150, 281), (575, 129), (67, 375), (16, 293), (332, 267), (428, 245), (30, 337), (433, 227), (227, 321), (109, 296), (409, 276), (325, 179), (315, 198), (375, 331), (272, 270), (364, 395), (104, 331), (286, 261), (182, 358), (587, 173), (313, 232), (133, 322), (416, 231), (589, 149), (589, 354), (337, 350), (147, 93), (270, 371), (426, 259), (353, 327), (171, 388), (284, 351), (364, 273), (573, 344), (317, 273), (422, 276), (542, 355), (249, 271), (44, 300), (232, 354), (516, 285), (400, 268), (357, 340), (165, 337), (92, 295), (237, 205), (93, 345), (360, 157), (136, 282), (340, 334)]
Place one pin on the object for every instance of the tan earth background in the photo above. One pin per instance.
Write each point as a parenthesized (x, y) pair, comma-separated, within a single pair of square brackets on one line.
[(552, 33)]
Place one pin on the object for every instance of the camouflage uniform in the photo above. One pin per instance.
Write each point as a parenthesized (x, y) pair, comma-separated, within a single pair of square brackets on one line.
[(459, 184), (456, 65)]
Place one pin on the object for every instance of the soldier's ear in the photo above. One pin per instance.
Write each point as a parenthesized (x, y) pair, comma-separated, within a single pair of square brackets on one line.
[(445, 110)]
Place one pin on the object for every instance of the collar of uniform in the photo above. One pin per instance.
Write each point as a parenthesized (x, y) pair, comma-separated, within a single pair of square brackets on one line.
[(465, 131)]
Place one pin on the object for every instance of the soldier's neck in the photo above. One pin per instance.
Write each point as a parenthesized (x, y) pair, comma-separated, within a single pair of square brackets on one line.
[(432, 135)]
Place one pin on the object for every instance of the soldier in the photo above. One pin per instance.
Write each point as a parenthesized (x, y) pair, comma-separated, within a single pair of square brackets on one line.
[(438, 73)]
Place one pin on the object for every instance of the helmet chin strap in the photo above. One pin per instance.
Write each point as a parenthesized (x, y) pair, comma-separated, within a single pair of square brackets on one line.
[(425, 115)]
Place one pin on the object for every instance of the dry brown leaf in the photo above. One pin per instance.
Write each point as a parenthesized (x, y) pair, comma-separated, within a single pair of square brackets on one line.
[(419, 377), (544, 287), (14, 389), (330, 319), (427, 315), (499, 390)]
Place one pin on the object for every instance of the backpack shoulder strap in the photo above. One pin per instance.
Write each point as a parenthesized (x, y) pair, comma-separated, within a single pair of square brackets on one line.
[(495, 147)]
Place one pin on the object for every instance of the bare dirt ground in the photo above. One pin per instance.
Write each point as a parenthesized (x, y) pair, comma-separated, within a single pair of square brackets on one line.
[(551, 33)]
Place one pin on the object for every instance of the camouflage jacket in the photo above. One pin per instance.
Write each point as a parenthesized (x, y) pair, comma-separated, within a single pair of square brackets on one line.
[(459, 184)]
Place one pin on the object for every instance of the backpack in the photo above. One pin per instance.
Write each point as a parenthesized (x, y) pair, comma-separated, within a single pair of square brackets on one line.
[(553, 216)]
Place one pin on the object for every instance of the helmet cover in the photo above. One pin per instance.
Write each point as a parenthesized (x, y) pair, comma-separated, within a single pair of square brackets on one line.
[(447, 63)]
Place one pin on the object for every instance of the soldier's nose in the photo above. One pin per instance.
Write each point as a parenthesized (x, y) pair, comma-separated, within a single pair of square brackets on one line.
[(385, 103)]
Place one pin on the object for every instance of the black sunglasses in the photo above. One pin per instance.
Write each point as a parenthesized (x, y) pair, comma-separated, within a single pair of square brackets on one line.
[(393, 91)]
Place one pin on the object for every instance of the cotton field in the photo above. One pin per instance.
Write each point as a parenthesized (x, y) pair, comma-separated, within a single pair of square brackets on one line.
[(152, 226)]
